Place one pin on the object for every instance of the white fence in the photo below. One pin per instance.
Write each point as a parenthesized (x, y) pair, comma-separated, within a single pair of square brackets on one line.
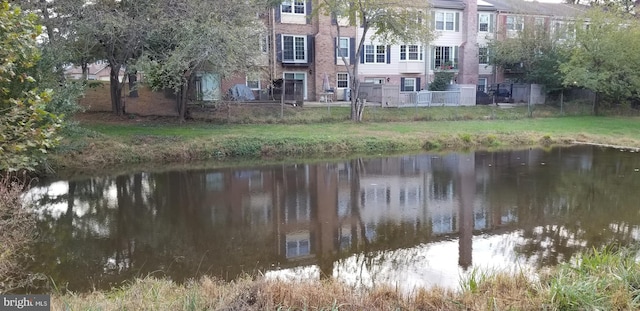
[(390, 96)]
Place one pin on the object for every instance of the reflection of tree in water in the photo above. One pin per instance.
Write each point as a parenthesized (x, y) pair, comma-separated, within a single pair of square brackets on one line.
[(578, 201), (139, 225)]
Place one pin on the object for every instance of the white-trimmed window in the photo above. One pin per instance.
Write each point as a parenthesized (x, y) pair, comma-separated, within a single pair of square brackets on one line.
[(293, 7), (294, 49), (484, 22), (253, 80), (342, 80), (515, 23), (411, 52), (445, 21), (445, 58), (374, 80), (482, 84), (265, 43), (342, 47), (483, 55), (375, 54), (409, 85)]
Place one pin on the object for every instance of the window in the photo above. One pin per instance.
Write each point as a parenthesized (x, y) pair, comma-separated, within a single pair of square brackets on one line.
[(482, 84), (342, 48), (515, 23), (343, 80), (410, 52), (563, 30), (445, 20), (293, 6), (483, 55), (293, 49), (409, 85), (297, 76), (265, 43), (374, 80), (375, 54), (483, 22), (253, 81), (445, 58)]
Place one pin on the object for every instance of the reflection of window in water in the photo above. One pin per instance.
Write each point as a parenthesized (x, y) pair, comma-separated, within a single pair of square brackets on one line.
[(443, 224), (345, 238), (410, 196), (255, 181), (370, 231), (479, 220), (297, 207), (214, 181), (298, 244), (344, 204), (442, 191), (344, 172), (509, 216), (260, 206), (374, 196)]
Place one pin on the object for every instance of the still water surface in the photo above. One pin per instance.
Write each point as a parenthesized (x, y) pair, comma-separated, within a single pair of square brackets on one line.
[(417, 220)]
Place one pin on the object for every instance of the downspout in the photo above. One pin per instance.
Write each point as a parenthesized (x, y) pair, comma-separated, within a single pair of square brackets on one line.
[(272, 71)]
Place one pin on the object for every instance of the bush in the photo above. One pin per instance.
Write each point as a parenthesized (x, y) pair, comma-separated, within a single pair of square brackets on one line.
[(17, 228), (441, 80)]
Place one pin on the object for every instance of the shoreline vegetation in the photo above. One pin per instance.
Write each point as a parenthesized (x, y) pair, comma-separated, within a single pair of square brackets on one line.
[(605, 280), (99, 141), (598, 280)]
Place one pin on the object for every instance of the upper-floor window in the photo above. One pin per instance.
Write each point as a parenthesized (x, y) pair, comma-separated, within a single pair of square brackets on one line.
[(293, 6), (375, 54), (483, 55), (484, 21), (342, 48), (515, 23), (445, 21), (294, 49), (445, 57), (411, 52)]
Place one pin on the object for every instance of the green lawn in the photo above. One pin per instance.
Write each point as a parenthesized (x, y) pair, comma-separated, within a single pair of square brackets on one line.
[(602, 126)]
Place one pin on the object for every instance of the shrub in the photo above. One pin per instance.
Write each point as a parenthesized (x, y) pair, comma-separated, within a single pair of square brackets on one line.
[(17, 229)]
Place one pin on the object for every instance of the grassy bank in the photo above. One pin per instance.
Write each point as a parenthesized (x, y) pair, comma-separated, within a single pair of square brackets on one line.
[(597, 281), (128, 141)]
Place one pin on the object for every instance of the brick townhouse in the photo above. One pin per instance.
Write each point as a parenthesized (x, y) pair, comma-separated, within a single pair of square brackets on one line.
[(304, 46)]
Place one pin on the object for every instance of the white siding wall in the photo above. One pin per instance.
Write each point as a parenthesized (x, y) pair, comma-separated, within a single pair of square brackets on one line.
[(483, 40), (400, 67)]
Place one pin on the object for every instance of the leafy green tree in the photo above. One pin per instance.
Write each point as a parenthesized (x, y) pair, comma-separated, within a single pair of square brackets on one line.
[(194, 35), (120, 29), (605, 58), (536, 53), (390, 21), (27, 130), (61, 44)]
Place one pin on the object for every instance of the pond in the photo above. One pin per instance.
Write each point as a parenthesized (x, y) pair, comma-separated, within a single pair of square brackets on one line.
[(414, 220)]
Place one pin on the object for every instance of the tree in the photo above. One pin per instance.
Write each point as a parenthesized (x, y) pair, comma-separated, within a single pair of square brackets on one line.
[(191, 35), (391, 21), (60, 45), (27, 131), (120, 28), (605, 59), (535, 53)]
